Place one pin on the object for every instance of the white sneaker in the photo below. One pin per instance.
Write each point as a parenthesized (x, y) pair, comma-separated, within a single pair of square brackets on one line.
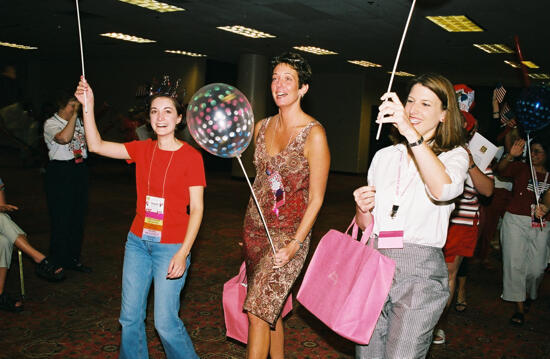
[(439, 337)]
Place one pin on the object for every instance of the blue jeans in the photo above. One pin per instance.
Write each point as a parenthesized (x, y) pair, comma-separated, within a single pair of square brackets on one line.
[(145, 261)]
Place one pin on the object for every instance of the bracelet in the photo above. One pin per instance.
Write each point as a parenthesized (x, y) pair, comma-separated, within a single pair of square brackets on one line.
[(417, 143), (496, 113), (507, 156), (299, 243), (472, 166)]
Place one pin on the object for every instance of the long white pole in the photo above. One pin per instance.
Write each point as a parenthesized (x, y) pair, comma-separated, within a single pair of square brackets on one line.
[(397, 58), (81, 50), (257, 205)]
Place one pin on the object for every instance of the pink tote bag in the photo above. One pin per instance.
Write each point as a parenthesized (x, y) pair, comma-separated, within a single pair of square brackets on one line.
[(346, 284), (234, 295)]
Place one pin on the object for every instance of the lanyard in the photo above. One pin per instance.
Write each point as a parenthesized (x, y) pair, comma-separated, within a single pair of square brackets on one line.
[(165, 173), (399, 195)]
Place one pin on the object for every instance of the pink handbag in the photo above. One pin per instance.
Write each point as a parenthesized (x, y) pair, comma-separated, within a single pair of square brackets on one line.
[(346, 284), (234, 294)]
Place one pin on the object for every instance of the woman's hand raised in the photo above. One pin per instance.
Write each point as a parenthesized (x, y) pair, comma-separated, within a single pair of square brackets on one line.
[(82, 88), (392, 111)]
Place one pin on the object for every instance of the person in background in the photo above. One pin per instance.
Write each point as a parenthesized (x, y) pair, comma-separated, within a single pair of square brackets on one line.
[(410, 191), (10, 235), (463, 230), (493, 210), (524, 237), (66, 183)]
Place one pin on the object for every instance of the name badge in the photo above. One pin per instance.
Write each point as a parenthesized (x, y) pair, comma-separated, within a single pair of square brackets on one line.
[(78, 158), (154, 217), (390, 239)]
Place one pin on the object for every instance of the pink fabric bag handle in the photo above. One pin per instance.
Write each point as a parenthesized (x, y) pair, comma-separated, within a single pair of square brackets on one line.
[(366, 233)]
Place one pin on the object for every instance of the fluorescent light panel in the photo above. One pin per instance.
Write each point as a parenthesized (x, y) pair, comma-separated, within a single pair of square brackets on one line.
[(17, 46), (131, 38), (457, 23), (246, 31), (494, 48), (186, 53), (154, 5), (402, 74), (539, 76), (530, 64), (315, 50), (364, 63), (512, 63)]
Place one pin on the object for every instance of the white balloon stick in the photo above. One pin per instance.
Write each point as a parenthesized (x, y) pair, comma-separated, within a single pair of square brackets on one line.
[(534, 177), (397, 58), (81, 51), (257, 205)]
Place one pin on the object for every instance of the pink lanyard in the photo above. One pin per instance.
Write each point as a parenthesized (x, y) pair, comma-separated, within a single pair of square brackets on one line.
[(397, 198)]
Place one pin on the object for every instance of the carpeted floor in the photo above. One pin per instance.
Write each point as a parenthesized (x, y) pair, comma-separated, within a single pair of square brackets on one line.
[(78, 318)]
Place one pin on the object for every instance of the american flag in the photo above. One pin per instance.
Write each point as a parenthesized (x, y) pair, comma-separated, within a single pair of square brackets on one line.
[(506, 114), (499, 93)]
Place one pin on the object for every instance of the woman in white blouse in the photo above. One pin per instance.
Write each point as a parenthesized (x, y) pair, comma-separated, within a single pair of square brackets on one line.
[(409, 196)]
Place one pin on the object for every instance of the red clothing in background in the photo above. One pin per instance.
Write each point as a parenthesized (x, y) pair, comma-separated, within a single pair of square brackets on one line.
[(523, 195)]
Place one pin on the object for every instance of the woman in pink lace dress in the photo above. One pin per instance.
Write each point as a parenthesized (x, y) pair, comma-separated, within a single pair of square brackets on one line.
[(292, 163)]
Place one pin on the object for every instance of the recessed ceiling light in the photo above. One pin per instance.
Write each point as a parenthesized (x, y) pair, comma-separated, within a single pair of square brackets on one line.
[(512, 63), (17, 46), (539, 76), (458, 23), (131, 38), (530, 64), (495, 48), (315, 50), (186, 53), (364, 63), (246, 31), (154, 5), (402, 73)]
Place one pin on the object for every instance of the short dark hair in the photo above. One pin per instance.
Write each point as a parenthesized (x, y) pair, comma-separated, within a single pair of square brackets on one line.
[(545, 147), (297, 62), (62, 98)]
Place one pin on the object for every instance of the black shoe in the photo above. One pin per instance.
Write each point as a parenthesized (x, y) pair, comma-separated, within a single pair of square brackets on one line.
[(79, 267), (9, 304), (47, 270)]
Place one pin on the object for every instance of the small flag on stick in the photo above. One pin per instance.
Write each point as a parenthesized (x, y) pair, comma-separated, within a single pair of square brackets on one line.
[(499, 93)]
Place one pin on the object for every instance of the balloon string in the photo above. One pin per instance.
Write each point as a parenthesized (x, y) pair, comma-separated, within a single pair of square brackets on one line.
[(397, 58), (533, 176), (257, 204), (81, 52)]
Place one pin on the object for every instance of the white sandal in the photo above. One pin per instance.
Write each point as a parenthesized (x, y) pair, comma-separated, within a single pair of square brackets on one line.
[(439, 337)]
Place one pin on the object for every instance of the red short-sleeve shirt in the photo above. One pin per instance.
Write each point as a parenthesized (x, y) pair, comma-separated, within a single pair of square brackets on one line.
[(167, 174)]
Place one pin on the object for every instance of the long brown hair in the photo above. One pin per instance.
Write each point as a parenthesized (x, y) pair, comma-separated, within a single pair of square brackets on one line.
[(449, 134)]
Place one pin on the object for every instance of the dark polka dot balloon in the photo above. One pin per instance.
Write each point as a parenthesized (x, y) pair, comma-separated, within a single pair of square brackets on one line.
[(533, 108), (221, 120)]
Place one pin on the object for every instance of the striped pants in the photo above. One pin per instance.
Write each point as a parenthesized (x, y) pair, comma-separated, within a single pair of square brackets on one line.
[(416, 300)]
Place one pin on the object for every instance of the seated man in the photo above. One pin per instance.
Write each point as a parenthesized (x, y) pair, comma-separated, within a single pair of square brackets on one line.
[(11, 234)]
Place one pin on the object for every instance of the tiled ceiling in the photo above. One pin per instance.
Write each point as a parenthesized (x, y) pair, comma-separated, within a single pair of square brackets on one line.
[(355, 29)]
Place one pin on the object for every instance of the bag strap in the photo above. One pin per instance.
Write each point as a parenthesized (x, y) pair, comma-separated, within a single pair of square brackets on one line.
[(355, 229), (242, 275), (367, 233)]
